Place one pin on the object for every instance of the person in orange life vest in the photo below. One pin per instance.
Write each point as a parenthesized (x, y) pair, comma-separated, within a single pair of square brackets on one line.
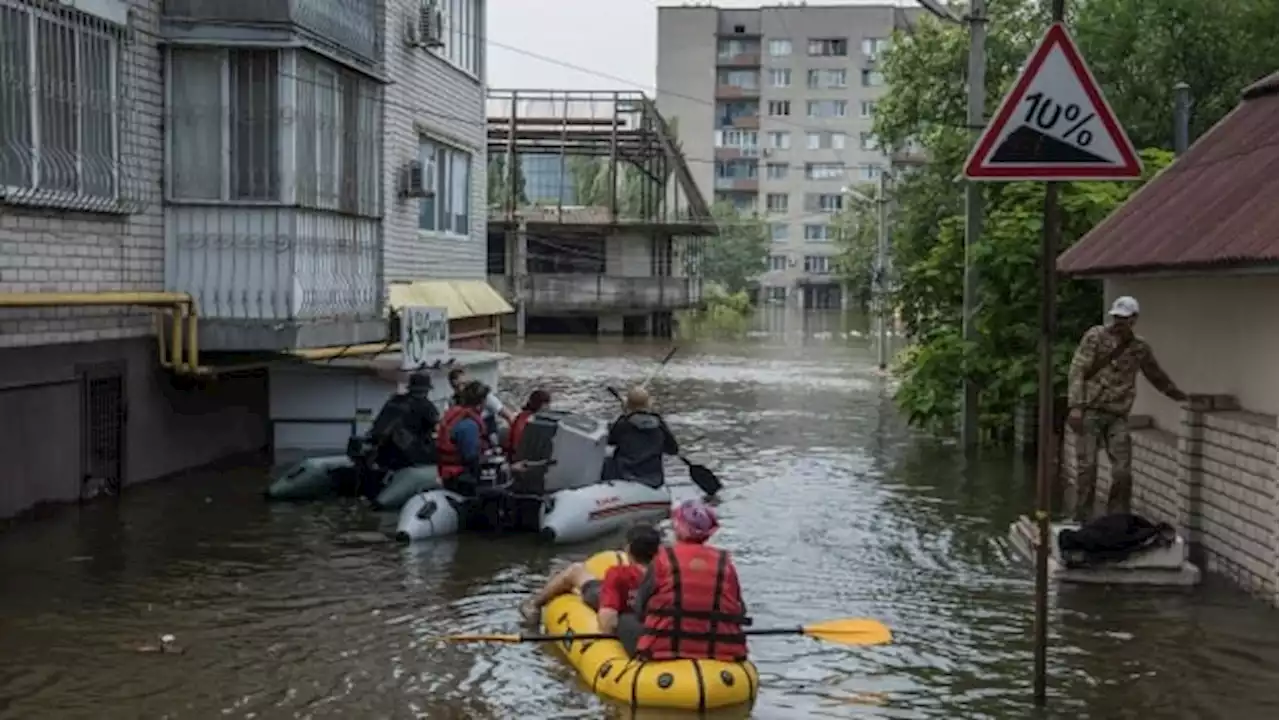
[(461, 441), (613, 597), (538, 399), (690, 600)]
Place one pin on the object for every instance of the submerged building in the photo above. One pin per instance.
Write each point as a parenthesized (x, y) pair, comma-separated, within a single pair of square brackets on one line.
[(595, 222)]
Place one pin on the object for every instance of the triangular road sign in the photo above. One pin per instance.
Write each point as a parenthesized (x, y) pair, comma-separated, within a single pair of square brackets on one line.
[(1054, 124)]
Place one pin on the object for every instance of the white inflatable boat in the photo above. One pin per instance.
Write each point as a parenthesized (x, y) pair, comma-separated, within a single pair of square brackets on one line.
[(561, 498)]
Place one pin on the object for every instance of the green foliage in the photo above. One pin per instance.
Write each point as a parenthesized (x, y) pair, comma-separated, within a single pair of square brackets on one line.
[(500, 182), (857, 228), (723, 316), (739, 253), (1138, 51)]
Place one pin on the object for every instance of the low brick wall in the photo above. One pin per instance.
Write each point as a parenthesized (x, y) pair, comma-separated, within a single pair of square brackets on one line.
[(1215, 479)]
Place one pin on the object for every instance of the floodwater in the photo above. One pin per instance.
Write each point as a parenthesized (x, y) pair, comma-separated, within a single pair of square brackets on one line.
[(832, 509)]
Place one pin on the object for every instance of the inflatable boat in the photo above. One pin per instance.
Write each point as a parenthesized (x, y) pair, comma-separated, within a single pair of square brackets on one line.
[(337, 476), (561, 497), (696, 685)]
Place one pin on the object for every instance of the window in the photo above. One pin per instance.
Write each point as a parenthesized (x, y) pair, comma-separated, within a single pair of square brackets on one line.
[(730, 48), (776, 171), (814, 232), (736, 138), (743, 79), (780, 77), (868, 141), (830, 78), (872, 47), (779, 232), (825, 140), (829, 47), (449, 210), (779, 108), (776, 202), (827, 108), (728, 112), (775, 294), (737, 169), (462, 34), (869, 173), (779, 48), (234, 150), (872, 78), (59, 102), (824, 171), (817, 264), (777, 263), (780, 140), (741, 202), (867, 109), (823, 202)]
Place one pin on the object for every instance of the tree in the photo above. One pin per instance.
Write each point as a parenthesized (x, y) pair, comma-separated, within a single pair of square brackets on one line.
[(739, 252), (925, 102), (500, 182), (857, 229)]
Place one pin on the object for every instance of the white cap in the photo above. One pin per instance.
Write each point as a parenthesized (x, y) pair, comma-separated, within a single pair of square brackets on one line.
[(1124, 307)]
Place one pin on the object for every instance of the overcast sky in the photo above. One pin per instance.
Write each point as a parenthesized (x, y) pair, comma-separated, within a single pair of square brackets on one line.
[(610, 37)]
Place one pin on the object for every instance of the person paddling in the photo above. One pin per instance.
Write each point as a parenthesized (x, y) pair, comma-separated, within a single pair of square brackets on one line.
[(640, 438), (690, 601), (613, 597)]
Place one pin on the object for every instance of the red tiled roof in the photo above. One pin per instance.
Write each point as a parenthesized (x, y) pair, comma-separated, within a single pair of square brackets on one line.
[(1215, 207)]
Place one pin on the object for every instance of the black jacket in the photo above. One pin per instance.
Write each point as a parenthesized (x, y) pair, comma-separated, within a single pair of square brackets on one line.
[(641, 439), (404, 430)]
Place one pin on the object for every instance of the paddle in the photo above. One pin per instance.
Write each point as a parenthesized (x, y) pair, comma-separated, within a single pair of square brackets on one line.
[(701, 475), (844, 631)]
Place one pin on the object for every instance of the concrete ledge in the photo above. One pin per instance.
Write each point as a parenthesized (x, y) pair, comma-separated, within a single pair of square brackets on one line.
[(1133, 571)]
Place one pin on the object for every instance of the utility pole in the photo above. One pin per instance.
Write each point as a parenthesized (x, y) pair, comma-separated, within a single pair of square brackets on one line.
[(977, 21), (882, 268)]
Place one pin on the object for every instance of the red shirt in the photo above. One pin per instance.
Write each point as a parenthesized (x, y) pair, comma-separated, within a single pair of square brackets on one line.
[(618, 587)]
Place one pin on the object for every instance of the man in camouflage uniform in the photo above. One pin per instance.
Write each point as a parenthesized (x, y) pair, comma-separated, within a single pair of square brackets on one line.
[(1102, 385)]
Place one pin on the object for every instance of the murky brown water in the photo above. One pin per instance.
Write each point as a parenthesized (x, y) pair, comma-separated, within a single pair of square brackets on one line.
[(832, 510)]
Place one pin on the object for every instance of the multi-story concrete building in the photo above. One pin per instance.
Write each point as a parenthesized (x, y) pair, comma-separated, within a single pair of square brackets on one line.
[(775, 110), (268, 164)]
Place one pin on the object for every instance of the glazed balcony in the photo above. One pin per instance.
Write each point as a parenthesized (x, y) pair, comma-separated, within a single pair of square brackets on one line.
[(736, 153), (349, 28), (725, 91), (740, 60), (728, 184)]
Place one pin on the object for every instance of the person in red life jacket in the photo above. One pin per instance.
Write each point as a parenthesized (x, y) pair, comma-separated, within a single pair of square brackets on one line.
[(461, 441), (613, 597), (690, 600), (538, 399)]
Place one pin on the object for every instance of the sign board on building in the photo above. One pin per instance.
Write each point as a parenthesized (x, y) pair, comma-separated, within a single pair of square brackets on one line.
[(424, 337), (1054, 124)]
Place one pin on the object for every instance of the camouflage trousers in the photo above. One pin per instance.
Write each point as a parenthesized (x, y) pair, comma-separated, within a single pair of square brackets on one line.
[(1110, 433)]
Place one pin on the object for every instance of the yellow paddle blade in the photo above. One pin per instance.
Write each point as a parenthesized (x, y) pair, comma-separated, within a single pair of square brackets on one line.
[(499, 638), (850, 631)]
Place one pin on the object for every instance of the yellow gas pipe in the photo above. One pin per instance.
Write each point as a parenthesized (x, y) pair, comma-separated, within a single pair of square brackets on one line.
[(181, 308)]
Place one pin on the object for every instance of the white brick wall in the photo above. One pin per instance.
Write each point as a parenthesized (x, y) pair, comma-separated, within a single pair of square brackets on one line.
[(427, 92), (44, 250)]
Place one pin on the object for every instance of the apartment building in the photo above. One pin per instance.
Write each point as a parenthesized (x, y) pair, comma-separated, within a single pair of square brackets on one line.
[(775, 110), (245, 154)]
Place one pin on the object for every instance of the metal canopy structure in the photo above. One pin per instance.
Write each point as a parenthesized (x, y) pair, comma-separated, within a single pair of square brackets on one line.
[(591, 159)]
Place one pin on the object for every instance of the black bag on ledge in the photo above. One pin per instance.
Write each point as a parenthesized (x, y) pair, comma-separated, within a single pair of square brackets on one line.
[(1112, 538)]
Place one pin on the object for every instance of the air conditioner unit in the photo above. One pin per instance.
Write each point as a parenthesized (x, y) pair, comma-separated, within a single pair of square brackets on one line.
[(767, 152), (415, 181), (425, 27)]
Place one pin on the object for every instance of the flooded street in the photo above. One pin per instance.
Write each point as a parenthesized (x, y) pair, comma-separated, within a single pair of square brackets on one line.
[(831, 507)]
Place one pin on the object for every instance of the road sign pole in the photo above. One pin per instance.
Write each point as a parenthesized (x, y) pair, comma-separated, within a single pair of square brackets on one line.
[(1050, 239), (977, 19)]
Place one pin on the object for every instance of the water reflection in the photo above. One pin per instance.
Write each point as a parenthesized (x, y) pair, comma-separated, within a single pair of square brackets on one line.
[(831, 507)]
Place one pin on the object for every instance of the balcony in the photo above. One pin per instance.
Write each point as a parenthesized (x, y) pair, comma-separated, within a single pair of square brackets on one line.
[(740, 60), (349, 28), (595, 293), (736, 92), (736, 153), (729, 184), (745, 122)]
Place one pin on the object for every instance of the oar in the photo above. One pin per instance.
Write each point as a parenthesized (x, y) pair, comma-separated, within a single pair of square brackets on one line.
[(845, 631), (661, 364), (702, 476)]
